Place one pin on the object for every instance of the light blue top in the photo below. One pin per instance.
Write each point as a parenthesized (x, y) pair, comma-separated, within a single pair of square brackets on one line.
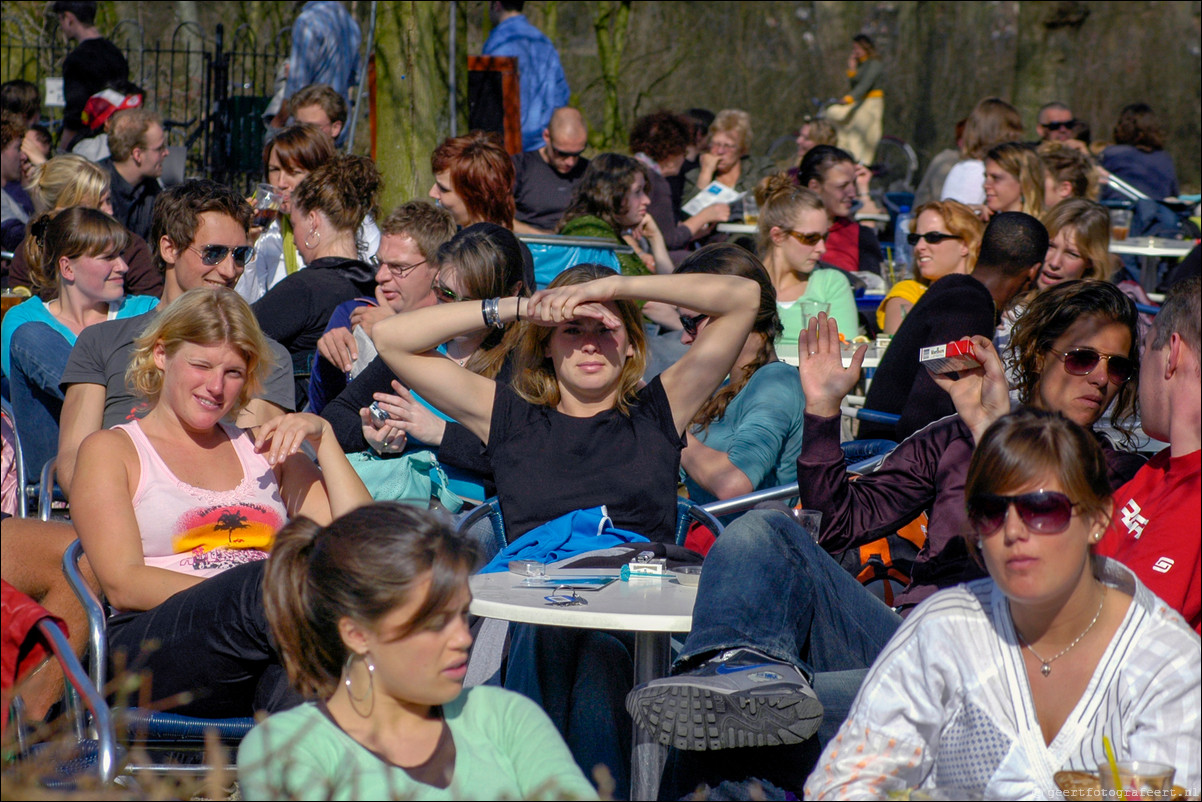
[(827, 285), (505, 748), (544, 87), (761, 430), (34, 311)]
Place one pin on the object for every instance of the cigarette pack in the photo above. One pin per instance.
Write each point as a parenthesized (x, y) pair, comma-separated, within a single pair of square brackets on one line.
[(958, 355)]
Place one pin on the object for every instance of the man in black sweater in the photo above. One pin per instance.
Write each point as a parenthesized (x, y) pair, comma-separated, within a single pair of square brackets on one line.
[(1012, 251), (88, 68)]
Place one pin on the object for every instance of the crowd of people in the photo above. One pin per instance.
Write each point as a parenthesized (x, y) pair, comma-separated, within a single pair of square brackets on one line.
[(234, 411)]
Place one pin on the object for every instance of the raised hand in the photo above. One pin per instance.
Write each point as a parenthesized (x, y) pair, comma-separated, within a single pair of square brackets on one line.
[(981, 395), (824, 380), (551, 306)]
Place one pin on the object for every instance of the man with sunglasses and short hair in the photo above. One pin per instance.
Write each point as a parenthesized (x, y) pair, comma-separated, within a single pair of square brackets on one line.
[(1154, 531), (199, 236), (545, 178), (1055, 122), (405, 272)]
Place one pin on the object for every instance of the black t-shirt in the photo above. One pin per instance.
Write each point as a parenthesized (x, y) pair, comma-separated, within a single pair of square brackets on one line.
[(547, 464), (86, 70), (955, 306), (540, 193)]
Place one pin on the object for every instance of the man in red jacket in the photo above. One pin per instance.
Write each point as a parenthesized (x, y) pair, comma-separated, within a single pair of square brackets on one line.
[(1155, 528)]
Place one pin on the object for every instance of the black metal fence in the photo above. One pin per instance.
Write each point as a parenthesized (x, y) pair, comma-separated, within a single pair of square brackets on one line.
[(211, 89)]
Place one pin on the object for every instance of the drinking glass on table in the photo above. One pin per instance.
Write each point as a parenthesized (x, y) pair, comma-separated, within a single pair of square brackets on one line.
[(751, 209), (1120, 223), (1138, 779), (811, 309)]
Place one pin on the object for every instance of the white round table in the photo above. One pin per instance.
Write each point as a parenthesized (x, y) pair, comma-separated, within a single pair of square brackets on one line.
[(651, 608), (1152, 246)]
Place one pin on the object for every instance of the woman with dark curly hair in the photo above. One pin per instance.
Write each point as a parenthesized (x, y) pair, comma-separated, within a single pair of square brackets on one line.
[(1138, 155), (660, 141)]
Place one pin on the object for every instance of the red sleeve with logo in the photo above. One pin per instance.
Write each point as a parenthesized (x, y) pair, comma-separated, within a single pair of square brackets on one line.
[(1157, 531)]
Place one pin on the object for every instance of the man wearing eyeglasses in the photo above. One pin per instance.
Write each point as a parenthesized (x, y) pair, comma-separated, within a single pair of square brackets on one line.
[(1055, 122), (199, 238), (139, 147), (1154, 529), (544, 178), (406, 267)]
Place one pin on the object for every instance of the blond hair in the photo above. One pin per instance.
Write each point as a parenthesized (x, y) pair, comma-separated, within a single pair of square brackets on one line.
[(67, 180), (781, 200), (203, 316)]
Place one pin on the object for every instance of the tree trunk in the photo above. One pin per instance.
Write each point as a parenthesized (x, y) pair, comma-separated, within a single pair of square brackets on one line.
[(610, 22)]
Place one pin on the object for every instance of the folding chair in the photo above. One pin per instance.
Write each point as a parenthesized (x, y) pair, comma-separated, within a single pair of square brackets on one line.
[(177, 741)]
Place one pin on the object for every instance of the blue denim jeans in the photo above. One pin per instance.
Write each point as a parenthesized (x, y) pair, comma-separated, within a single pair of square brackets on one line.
[(38, 357), (767, 585)]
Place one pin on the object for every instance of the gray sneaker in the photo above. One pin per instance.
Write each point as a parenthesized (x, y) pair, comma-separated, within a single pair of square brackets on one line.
[(737, 698)]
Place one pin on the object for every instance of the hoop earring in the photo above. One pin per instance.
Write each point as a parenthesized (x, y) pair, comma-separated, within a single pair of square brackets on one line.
[(311, 245), (370, 696)]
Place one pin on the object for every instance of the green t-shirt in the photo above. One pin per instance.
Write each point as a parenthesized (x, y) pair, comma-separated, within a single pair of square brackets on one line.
[(505, 748), (827, 285)]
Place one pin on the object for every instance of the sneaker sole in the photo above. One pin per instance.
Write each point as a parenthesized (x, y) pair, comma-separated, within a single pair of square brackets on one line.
[(698, 719)]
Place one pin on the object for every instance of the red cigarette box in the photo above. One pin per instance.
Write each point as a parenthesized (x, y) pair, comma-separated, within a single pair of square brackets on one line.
[(958, 355)]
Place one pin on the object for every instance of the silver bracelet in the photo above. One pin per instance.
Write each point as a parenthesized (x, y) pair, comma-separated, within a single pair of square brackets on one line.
[(492, 313)]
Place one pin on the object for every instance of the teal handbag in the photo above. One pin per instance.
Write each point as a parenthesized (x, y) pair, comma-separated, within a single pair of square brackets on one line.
[(411, 478)]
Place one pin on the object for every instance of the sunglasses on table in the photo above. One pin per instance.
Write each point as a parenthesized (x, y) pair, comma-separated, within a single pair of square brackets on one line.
[(1082, 361), (807, 239), (213, 255), (1044, 512), (445, 295), (400, 271), (690, 324), (932, 238), (1058, 126)]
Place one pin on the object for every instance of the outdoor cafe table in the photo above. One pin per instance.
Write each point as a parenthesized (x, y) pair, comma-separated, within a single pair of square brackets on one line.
[(1149, 249), (650, 608)]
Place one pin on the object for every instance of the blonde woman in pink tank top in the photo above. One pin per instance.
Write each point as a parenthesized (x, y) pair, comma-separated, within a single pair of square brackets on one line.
[(176, 511)]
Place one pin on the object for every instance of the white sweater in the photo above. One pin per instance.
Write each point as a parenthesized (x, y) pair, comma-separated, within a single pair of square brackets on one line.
[(948, 705)]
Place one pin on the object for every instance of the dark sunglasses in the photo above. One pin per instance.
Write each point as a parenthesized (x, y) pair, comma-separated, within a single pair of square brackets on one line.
[(1082, 361), (444, 294), (565, 154), (932, 238), (213, 255), (1044, 512), (806, 239), (691, 323), (1058, 126)]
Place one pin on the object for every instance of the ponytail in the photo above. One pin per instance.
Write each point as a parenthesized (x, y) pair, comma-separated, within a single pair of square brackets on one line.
[(288, 600)]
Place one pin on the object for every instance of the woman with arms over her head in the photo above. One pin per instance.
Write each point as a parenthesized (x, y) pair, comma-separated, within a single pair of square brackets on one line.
[(991, 687), (574, 430), (371, 616), (792, 237), (946, 239), (177, 510)]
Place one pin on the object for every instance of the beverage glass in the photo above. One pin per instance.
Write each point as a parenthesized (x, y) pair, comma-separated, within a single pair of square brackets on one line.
[(751, 209), (1140, 779), (810, 309), (810, 520), (266, 203), (1120, 223)]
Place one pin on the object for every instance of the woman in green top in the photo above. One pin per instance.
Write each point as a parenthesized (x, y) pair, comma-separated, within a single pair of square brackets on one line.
[(370, 614), (858, 118), (791, 239)]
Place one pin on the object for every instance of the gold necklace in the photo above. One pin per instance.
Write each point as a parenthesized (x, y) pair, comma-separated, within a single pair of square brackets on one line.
[(1046, 667)]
